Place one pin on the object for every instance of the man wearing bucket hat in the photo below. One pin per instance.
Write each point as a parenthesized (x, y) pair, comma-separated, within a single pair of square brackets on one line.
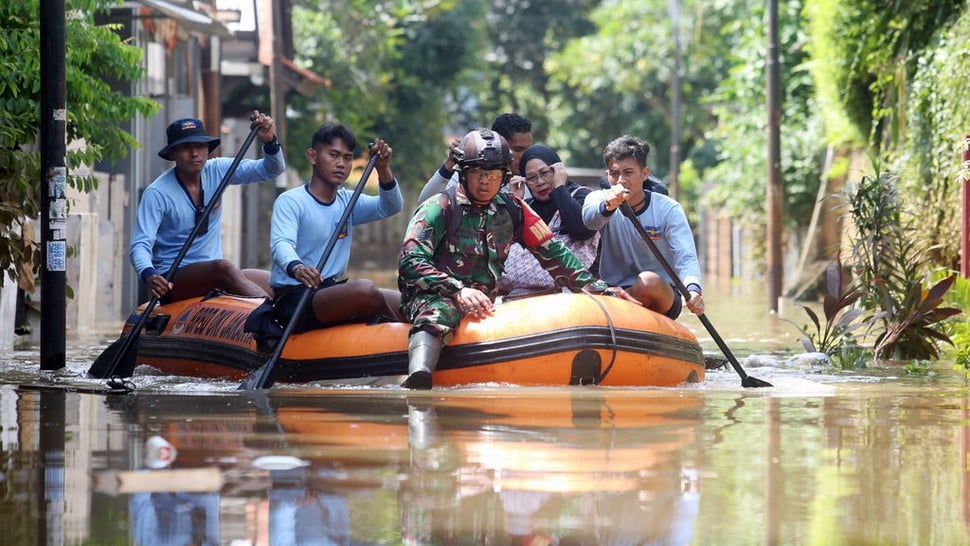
[(172, 205)]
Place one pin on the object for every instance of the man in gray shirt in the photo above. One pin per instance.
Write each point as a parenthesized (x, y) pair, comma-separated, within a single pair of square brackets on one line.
[(625, 259)]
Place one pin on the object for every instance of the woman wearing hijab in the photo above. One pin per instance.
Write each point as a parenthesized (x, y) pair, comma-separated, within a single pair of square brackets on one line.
[(559, 202)]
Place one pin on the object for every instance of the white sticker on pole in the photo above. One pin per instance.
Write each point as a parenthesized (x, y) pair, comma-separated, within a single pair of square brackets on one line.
[(58, 230), (57, 182)]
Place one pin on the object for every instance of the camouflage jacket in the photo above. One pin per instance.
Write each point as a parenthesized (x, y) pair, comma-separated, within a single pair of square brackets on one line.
[(440, 260)]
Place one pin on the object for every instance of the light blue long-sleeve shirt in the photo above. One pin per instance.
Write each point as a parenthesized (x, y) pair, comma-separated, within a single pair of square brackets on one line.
[(302, 226), (166, 214)]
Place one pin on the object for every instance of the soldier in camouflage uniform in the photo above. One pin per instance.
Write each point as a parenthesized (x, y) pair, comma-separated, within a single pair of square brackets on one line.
[(455, 248)]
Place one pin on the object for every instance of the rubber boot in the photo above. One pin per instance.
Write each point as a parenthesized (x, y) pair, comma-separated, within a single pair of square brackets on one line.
[(423, 351)]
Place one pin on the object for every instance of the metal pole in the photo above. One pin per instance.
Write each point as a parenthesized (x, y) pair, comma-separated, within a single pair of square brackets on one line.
[(965, 241), (277, 83), (675, 103), (212, 84), (51, 491), (277, 109), (773, 193), (53, 186)]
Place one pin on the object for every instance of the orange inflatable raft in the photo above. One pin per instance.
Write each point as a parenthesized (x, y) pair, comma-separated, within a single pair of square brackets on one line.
[(552, 339)]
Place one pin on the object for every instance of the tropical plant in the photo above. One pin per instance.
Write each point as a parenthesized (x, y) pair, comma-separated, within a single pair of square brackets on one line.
[(874, 209), (841, 317), (888, 263), (852, 356), (913, 325), (919, 368), (96, 55)]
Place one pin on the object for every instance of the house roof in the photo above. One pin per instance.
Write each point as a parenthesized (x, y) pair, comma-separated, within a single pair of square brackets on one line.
[(188, 17)]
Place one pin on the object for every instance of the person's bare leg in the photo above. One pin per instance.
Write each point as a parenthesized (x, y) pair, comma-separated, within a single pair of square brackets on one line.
[(652, 292), (199, 278), (393, 299), (259, 277), (354, 301)]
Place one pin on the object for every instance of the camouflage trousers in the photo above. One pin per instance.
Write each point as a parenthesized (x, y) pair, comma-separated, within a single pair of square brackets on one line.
[(432, 313)]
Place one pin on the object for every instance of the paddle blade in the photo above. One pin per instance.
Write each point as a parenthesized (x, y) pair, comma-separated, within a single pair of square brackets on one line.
[(262, 378), (118, 360), (754, 382)]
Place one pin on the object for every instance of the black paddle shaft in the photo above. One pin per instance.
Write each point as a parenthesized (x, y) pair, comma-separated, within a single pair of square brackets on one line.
[(746, 380), (123, 352), (262, 378)]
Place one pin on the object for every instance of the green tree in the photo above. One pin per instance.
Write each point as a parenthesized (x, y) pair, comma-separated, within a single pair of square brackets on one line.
[(522, 37), (413, 73), (393, 68), (629, 63), (95, 55), (889, 77), (930, 159), (739, 103), (619, 80), (866, 51), (626, 62)]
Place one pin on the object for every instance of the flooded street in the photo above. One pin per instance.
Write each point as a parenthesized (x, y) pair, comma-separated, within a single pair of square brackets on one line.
[(872, 456)]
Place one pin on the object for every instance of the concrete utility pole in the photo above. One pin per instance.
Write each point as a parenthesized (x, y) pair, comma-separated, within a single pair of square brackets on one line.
[(773, 193), (277, 89), (965, 241), (53, 186), (211, 75), (672, 179), (269, 17)]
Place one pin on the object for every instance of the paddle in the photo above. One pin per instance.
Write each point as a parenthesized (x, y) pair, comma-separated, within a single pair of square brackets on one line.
[(262, 378), (746, 380), (118, 360)]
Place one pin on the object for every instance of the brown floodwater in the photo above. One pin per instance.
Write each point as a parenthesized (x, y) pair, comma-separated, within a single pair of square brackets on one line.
[(874, 456)]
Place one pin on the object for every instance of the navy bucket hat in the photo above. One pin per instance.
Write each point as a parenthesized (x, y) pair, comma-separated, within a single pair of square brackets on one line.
[(184, 131)]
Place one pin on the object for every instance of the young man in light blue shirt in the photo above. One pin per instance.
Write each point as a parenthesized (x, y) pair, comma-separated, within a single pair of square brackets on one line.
[(305, 218)]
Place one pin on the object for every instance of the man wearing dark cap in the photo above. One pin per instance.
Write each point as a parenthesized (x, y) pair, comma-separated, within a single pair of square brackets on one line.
[(173, 203)]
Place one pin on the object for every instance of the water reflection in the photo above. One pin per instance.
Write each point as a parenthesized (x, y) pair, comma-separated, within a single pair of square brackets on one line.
[(824, 457), (371, 467), (175, 518), (865, 463)]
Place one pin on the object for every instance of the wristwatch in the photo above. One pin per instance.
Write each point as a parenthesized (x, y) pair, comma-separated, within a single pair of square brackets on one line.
[(272, 146)]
